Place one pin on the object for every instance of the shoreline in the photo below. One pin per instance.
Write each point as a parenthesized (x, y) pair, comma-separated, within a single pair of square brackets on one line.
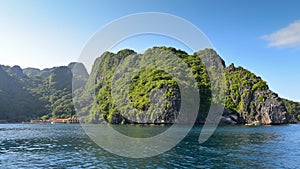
[(155, 124)]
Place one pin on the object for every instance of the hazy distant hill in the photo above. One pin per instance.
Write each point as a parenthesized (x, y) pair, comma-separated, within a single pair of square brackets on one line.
[(32, 93)]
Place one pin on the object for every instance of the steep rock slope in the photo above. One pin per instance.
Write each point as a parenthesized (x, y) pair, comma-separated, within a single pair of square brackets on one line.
[(248, 99)]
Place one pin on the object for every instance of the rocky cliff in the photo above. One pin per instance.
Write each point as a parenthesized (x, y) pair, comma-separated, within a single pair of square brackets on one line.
[(248, 99)]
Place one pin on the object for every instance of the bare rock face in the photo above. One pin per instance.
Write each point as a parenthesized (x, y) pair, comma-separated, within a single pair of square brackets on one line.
[(250, 97), (270, 110), (211, 58), (267, 108), (231, 118)]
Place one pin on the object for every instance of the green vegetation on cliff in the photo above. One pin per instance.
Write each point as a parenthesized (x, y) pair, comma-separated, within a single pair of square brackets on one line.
[(241, 83), (293, 109), (247, 97), (153, 95), (146, 87)]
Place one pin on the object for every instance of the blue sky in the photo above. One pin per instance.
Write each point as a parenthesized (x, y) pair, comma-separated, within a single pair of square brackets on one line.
[(262, 36)]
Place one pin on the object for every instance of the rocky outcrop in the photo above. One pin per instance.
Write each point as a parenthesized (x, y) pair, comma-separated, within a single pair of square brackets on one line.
[(250, 97), (80, 75), (270, 110), (293, 110), (211, 58), (231, 118), (254, 103)]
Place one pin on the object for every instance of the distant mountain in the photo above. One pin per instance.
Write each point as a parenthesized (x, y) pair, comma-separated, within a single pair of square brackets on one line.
[(80, 74), (17, 103), (32, 93), (33, 72)]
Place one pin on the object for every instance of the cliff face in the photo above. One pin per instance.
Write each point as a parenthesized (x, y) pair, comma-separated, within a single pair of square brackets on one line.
[(293, 110), (270, 110), (248, 99), (145, 84)]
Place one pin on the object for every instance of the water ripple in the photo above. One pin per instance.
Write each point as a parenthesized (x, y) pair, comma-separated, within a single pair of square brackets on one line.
[(67, 146)]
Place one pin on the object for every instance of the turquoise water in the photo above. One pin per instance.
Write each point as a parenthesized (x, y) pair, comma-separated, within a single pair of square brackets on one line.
[(67, 146)]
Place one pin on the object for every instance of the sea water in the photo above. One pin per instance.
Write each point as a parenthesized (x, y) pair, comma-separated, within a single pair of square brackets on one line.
[(68, 146)]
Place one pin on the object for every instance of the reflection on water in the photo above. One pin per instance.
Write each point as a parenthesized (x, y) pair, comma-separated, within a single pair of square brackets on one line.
[(67, 146), (141, 131)]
